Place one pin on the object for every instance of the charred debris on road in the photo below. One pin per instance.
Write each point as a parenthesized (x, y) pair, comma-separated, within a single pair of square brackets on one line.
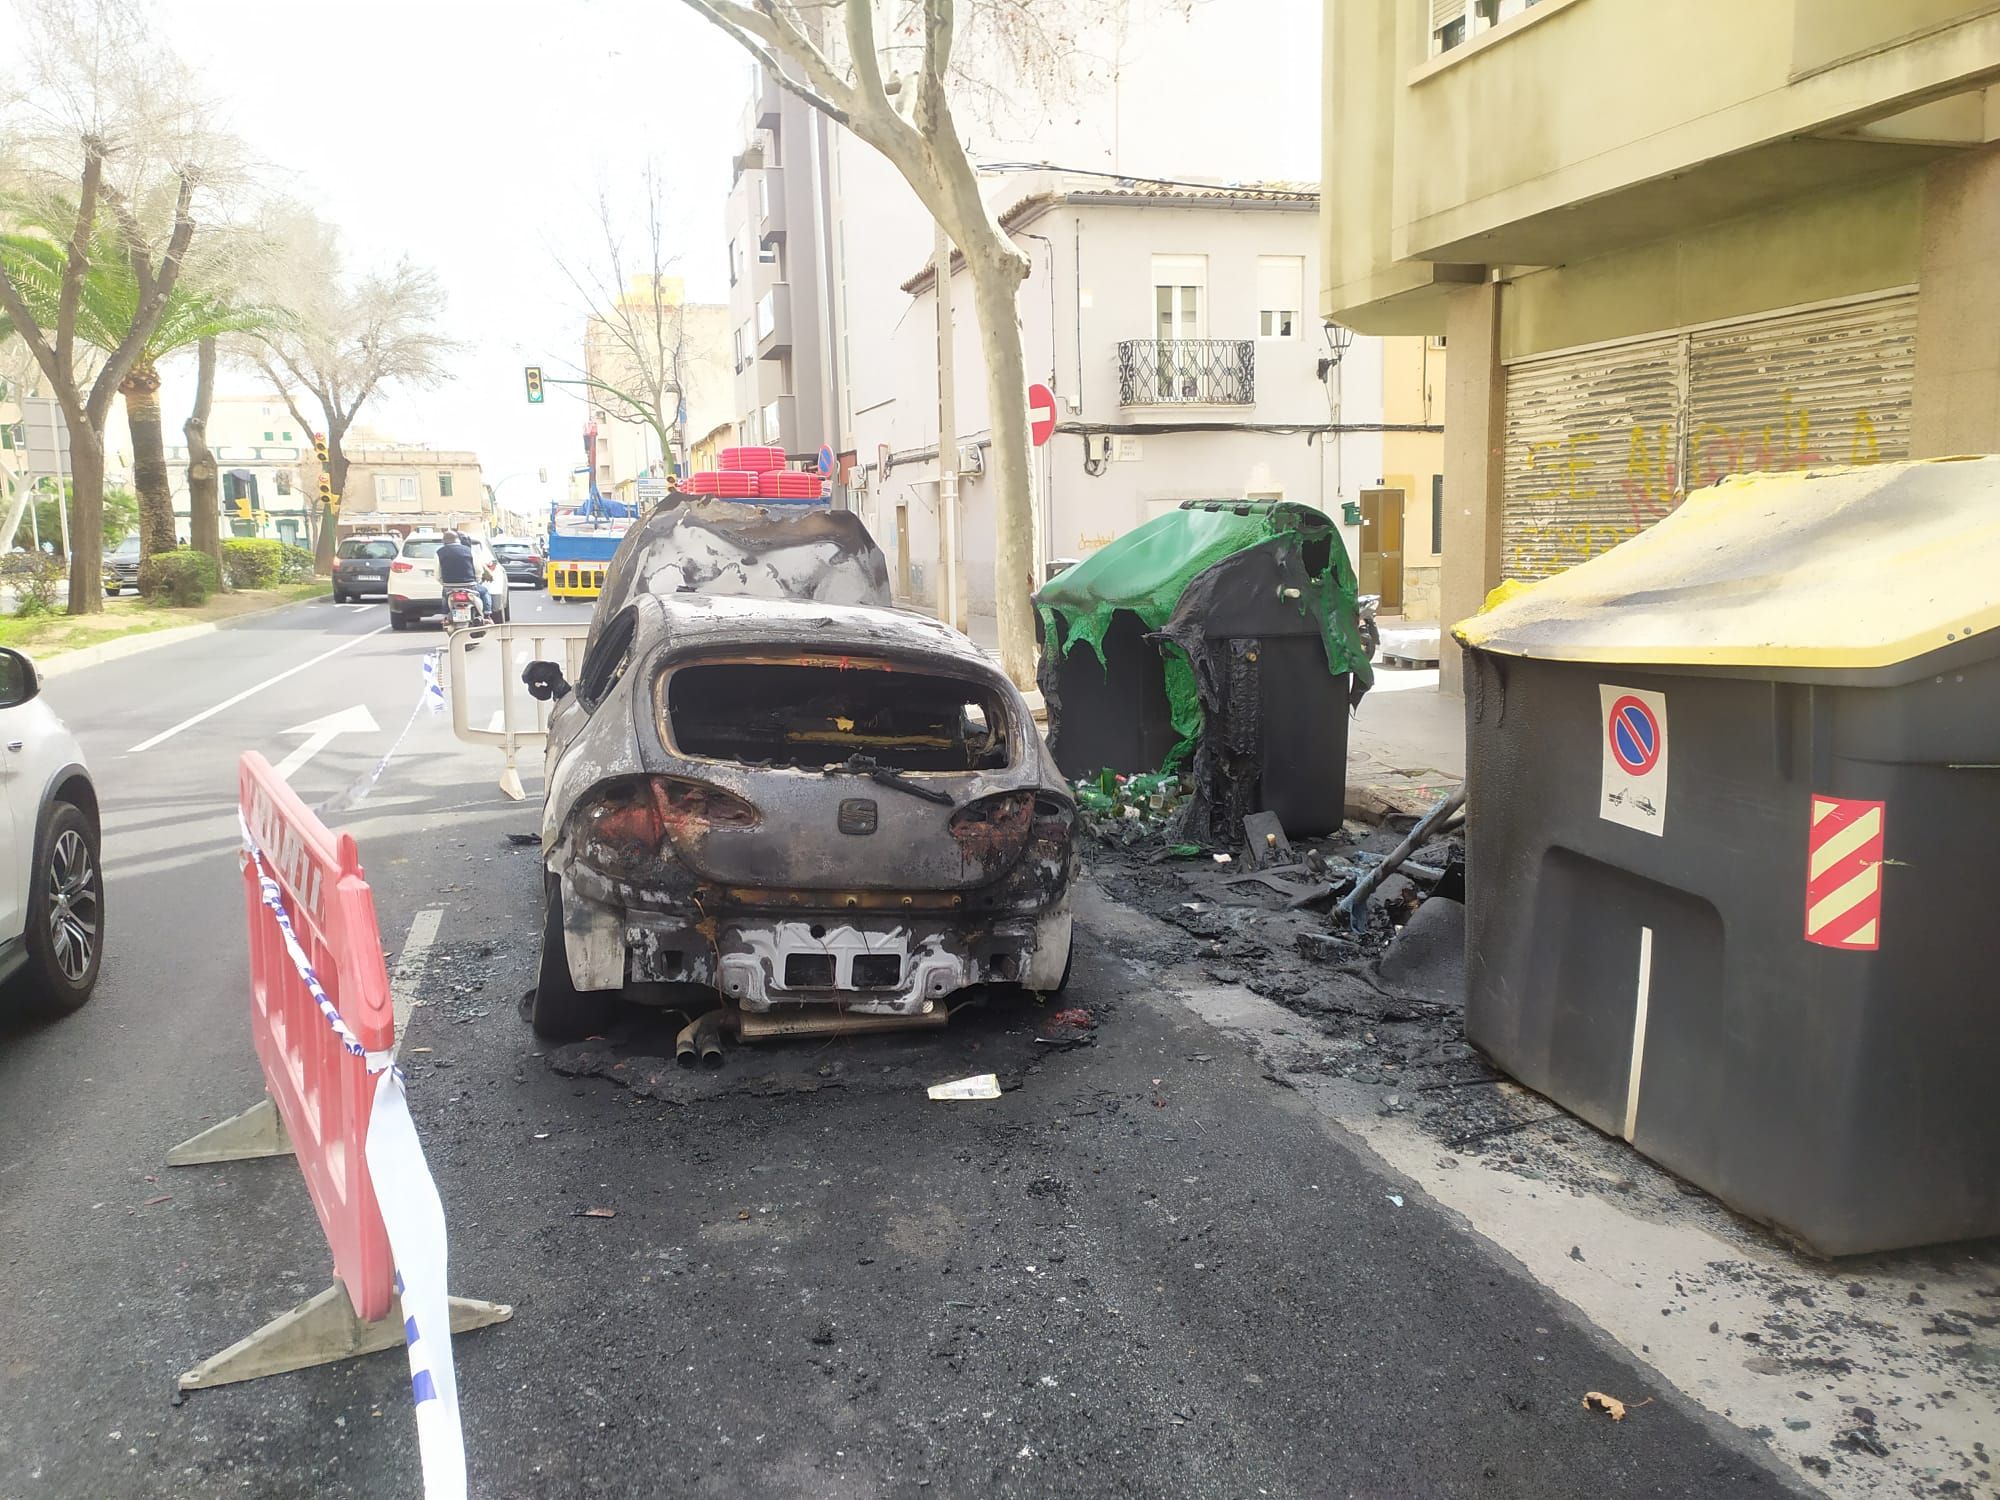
[(1385, 987)]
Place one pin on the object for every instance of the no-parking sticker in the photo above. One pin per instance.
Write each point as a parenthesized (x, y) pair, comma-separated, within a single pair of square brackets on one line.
[(1632, 737)]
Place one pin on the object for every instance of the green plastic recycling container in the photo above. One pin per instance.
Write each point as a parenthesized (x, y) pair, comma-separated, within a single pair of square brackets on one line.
[(1735, 818)]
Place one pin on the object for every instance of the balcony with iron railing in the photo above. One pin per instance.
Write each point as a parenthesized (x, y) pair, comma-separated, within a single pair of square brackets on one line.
[(1187, 372)]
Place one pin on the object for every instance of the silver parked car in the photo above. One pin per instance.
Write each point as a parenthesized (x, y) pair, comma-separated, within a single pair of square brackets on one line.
[(810, 808)]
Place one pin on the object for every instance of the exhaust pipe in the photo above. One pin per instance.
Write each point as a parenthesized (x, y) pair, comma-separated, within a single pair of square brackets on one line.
[(757, 1026), (707, 1037), (685, 1048)]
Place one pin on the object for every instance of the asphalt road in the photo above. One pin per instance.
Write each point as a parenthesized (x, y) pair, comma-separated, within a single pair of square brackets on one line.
[(1145, 1270)]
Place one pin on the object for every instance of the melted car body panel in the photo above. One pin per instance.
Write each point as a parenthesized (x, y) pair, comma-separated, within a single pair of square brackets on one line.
[(851, 807)]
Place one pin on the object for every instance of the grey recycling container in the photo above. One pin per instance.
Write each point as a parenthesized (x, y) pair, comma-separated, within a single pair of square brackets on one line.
[(1735, 819)]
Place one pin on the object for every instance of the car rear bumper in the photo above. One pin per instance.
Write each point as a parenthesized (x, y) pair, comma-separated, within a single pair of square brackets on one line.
[(868, 963)]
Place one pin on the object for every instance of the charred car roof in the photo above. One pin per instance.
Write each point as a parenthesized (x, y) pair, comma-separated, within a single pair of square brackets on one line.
[(702, 622)]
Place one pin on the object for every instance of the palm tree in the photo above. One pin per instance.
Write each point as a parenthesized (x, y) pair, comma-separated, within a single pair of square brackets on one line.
[(108, 304)]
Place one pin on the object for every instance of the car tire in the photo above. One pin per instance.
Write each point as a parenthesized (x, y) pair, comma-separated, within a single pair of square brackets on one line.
[(397, 620), (559, 1011), (65, 918), (339, 597)]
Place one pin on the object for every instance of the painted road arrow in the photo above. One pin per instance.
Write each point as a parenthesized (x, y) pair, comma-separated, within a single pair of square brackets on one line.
[(321, 732)]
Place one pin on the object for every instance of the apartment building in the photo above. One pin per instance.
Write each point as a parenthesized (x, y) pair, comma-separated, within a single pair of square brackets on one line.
[(1664, 245), (780, 304), (1172, 321), (403, 487)]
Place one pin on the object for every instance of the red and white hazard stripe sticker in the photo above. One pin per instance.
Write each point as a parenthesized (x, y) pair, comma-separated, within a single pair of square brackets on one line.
[(1844, 874)]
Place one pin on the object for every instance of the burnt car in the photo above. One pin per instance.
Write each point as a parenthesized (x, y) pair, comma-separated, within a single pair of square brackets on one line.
[(815, 810)]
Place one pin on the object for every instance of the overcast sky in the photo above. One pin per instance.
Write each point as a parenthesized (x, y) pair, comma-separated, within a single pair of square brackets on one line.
[(475, 136)]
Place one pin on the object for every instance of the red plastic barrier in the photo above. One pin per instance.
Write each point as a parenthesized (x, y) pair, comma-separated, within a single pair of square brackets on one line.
[(755, 460), (322, 1090), (789, 484)]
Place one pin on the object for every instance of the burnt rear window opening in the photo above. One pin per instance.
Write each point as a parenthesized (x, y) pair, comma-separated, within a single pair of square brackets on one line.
[(811, 715)]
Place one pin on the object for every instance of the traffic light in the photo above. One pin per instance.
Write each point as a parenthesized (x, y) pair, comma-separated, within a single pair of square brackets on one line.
[(534, 374), (319, 448), (242, 505)]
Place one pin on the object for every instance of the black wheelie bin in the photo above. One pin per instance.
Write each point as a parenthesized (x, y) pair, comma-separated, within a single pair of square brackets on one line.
[(1735, 792)]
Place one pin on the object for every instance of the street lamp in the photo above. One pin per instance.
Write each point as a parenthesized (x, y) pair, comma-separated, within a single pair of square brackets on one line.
[(1339, 340)]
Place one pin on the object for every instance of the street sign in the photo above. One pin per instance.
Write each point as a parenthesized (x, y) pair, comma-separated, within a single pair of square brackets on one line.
[(1041, 413), (45, 435), (534, 378), (825, 460), (1634, 752), (651, 489)]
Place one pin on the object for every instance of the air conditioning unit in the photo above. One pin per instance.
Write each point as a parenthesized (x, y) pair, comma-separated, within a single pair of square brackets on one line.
[(971, 459)]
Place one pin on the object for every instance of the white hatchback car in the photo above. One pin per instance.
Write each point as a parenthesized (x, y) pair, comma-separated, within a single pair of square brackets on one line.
[(52, 885), (414, 591)]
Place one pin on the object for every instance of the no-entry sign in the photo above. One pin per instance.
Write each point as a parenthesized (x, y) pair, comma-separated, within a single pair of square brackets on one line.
[(1041, 413)]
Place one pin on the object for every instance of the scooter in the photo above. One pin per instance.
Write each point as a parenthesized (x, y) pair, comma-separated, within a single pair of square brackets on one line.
[(1371, 633), (463, 611)]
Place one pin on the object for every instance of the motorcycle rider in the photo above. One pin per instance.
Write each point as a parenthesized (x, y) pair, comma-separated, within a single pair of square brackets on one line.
[(458, 568)]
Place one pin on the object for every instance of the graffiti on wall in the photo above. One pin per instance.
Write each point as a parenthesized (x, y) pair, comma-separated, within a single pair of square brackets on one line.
[(1569, 479)]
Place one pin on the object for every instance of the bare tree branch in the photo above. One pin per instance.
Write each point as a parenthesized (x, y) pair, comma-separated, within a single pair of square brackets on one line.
[(768, 38)]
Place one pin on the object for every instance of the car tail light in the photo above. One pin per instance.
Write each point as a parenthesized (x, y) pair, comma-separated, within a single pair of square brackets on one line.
[(1055, 819), (994, 830), (630, 824), (402, 565)]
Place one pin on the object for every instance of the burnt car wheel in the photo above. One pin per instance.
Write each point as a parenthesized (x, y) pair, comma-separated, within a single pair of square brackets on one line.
[(560, 1012)]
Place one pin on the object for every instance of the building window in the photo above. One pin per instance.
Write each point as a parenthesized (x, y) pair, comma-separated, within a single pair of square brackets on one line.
[(769, 419), (1281, 281), (763, 197), (1453, 22), (394, 490), (284, 478), (1437, 513), (444, 486), (767, 315), (735, 260), (737, 336), (288, 437), (268, 437), (767, 254)]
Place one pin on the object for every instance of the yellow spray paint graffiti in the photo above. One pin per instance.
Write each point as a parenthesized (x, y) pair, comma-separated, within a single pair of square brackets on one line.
[(1580, 467)]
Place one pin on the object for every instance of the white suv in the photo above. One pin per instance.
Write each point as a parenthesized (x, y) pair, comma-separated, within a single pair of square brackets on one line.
[(414, 591), (51, 884)]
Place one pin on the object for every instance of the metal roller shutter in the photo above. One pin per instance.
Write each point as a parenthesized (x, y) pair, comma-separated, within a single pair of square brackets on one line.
[(1583, 430), (1802, 390), (1603, 442)]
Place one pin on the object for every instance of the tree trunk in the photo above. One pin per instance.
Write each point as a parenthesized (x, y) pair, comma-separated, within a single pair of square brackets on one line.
[(997, 273), (86, 520), (141, 391), (204, 490), (329, 518)]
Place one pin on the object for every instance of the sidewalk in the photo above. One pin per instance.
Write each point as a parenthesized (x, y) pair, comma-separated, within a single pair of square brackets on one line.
[(1405, 745)]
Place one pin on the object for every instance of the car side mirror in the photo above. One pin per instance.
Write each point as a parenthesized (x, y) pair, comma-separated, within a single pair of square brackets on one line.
[(18, 679), (545, 681)]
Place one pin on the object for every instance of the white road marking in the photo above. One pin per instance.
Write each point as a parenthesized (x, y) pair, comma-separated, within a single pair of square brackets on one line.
[(321, 732), (251, 692), (1639, 1030), (410, 964)]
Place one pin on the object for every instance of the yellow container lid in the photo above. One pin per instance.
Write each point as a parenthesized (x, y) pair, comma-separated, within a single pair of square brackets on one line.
[(1824, 569)]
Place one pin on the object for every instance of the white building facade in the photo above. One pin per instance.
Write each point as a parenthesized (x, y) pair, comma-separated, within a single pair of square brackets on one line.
[(1171, 322)]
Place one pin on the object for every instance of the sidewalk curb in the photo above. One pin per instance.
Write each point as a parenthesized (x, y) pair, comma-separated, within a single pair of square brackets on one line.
[(132, 645)]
